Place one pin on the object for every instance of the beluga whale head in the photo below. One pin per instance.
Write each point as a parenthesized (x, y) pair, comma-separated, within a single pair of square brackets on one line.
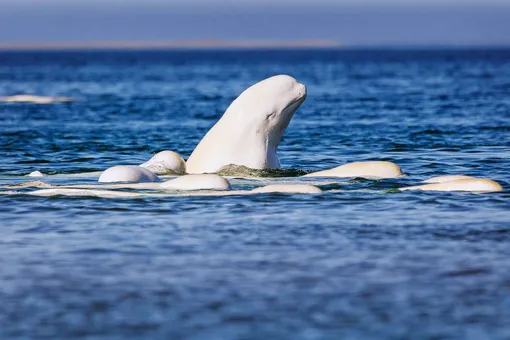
[(268, 106), (251, 129)]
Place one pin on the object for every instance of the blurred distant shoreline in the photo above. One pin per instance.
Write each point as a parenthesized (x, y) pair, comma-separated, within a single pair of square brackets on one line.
[(228, 45), (163, 45)]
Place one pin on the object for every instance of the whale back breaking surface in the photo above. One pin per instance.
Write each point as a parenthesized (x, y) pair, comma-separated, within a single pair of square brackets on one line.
[(197, 182), (250, 130), (165, 162), (28, 98), (468, 184), (367, 169), (127, 173)]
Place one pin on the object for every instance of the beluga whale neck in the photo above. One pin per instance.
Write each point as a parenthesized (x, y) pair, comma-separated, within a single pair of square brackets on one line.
[(251, 129)]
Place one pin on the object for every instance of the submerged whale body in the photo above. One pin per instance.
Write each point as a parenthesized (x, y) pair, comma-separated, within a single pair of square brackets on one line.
[(270, 189), (370, 169), (250, 130), (288, 188), (127, 173), (446, 178), (465, 183), (197, 182)]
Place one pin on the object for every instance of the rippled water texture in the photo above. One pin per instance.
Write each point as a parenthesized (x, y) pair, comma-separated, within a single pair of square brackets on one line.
[(360, 261)]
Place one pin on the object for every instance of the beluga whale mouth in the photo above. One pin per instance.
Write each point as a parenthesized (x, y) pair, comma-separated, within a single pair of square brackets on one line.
[(276, 134), (251, 129)]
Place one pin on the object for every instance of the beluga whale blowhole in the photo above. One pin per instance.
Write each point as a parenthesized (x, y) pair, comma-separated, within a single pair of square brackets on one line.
[(251, 129)]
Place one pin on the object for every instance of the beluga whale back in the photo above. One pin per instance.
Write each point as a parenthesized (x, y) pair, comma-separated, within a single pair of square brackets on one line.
[(251, 129)]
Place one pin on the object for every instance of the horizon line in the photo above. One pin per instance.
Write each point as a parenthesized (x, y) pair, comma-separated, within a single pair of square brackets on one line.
[(212, 44)]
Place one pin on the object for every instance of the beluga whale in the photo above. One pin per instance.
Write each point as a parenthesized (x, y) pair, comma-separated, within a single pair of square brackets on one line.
[(367, 169), (28, 98), (457, 183), (251, 128), (127, 173), (165, 162)]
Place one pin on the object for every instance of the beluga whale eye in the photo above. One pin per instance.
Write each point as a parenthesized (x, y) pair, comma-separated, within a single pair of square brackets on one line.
[(271, 113), (251, 129)]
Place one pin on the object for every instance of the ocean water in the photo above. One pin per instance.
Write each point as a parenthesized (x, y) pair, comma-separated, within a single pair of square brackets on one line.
[(360, 261)]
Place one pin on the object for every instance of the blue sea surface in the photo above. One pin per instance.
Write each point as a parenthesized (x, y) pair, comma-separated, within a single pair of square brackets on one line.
[(361, 261)]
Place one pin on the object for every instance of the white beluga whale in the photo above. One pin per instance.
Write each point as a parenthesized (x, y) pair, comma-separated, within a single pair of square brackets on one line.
[(36, 173), (250, 130), (127, 173), (84, 192), (130, 177), (270, 189), (28, 98), (197, 182), (288, 188), (165, 162), (188, 185), (457, 183), (446, 178), (369, 169)]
